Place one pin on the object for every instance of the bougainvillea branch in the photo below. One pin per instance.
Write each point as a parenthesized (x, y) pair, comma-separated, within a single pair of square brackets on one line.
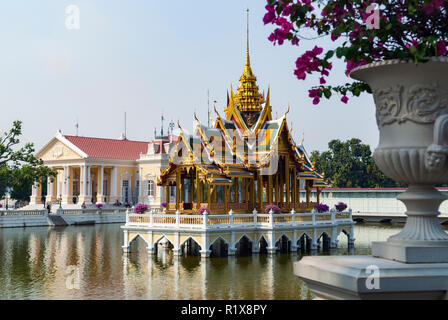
[(363, 31)]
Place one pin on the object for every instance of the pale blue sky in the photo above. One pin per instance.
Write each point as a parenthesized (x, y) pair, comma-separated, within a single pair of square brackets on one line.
[(143, 57)]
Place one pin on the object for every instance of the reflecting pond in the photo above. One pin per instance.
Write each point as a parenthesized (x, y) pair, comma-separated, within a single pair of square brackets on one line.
[(86, 262)]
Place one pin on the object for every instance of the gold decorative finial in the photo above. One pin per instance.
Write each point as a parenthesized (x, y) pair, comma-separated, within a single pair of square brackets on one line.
[(195, 116), (216, 111), (248, 98), (287, 111), (247, 38), (303, 137)]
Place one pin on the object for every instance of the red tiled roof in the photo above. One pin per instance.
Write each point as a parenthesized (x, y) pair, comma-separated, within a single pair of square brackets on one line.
[(109, 148)]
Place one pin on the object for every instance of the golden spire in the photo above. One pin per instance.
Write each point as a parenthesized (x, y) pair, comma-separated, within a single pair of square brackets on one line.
[(248, 98), (247, 40)]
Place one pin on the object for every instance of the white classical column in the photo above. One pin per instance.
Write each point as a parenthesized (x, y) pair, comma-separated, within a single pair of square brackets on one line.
[(113, 185), (140, 189), (35, 199), (89, 185), (50, 197), (100, 196), (84, 178), (58, 188), (65, 185), (83, 185)]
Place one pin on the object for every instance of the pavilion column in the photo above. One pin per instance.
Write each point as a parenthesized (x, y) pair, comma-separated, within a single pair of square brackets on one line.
[(294, 188), (100, 194), (277, 192), (237, 191), (209, 197), (288, 193), (260, 192), (270, 189), (198, 190), (191, 189), (226, 200), (182, 190), (318, 194), (307, 188), (252, 193), (167, 195), (215, 194), (243, 192), (178, 189), (202, 191)]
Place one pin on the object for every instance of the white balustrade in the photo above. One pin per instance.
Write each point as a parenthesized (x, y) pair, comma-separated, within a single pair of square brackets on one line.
[(22, 213), (231, 220)]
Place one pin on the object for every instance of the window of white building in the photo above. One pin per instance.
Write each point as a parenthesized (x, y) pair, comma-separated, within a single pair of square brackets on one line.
[(151, 188)]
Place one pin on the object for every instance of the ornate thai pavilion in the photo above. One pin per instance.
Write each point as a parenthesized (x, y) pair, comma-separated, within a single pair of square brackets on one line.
[(244, 161)]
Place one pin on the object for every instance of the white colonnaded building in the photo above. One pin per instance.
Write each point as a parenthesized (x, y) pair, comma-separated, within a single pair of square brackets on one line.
[(97, 170)]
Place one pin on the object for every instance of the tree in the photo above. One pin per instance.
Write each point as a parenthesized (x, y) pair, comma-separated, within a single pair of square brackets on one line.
[(350, 164), (19, 168)]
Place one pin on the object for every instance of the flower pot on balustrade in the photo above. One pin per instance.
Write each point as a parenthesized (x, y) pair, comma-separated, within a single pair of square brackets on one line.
[(412, 116)]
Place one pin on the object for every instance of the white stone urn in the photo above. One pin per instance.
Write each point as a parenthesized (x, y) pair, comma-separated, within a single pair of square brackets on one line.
[(412, 116)]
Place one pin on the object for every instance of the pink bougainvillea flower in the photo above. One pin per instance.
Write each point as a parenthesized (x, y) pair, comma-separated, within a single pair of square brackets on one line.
[(403, 34), (433, 6), (441, 48), (352, 65)]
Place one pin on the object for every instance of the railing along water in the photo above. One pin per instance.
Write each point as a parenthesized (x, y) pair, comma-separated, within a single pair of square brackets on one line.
[(19, 213), (236, 220)]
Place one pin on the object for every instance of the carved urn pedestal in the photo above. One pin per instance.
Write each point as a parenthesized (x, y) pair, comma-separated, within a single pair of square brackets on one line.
[(412, 116)]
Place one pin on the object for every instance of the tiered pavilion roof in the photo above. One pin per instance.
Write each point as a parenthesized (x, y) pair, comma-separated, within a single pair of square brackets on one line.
[(246, 160)]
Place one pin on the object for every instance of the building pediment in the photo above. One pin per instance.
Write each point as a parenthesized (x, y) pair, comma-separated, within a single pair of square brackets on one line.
[(57, 150)]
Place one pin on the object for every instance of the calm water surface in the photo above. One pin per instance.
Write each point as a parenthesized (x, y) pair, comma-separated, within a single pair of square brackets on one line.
[(41, 263)]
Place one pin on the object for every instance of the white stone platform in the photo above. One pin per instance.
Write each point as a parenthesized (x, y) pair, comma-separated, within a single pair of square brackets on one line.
[(205, 230), (35, 218), (366, 277)]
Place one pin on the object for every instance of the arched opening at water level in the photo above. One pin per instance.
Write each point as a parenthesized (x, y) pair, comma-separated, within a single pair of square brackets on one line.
[(324, 242), (190, 248), (263, 244), (304, 243), (219, 248), (244, 247), (283, 244)]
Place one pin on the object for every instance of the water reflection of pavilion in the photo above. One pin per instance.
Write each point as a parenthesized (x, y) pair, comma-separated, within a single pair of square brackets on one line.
[(165, 276)]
